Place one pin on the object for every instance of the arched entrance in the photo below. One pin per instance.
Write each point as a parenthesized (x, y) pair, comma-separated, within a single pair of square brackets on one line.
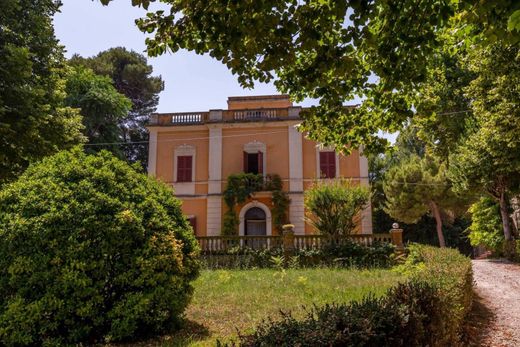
[(267, 225), (255, 222)]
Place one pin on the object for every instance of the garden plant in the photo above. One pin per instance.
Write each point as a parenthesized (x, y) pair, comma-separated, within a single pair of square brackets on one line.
[(91, 250)]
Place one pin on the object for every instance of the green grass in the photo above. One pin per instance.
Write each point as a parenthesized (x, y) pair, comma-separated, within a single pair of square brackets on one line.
[(227, 300)]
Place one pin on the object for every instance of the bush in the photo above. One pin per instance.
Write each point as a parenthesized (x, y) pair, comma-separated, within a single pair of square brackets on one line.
[(346, 254), (90, 249), (427, 310), (486, 225), (334, 207)]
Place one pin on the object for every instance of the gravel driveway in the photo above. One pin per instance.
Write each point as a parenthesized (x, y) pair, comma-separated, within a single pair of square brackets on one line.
[(498, 296)]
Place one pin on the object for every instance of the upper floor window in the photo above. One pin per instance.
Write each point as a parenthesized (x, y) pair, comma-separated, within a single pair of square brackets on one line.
[(254, 157), (184, 168), (327, 164), (184, 164), (254, 162)]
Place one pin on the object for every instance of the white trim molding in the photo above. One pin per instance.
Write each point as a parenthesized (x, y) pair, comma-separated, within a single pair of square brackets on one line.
[(255, 147), (268, 218), (152, 153), (297, 213), (184, 188), (215, 160), (214, 215), (366, 215), (295, 159), (321, 148)]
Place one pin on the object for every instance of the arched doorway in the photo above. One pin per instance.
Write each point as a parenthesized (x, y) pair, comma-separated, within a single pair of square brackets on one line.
[(266, 216), (255, 222)]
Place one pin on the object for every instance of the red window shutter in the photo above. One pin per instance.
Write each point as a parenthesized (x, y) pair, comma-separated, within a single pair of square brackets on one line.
[(184, 168), (260, 162), (246, 168), (188, 168), (327, 164), (332, 164)]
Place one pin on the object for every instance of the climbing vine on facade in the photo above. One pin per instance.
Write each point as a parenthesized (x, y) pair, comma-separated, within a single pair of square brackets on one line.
[(242, 186)]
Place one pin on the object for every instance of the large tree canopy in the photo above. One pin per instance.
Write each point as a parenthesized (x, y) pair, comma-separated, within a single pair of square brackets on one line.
[(417, 186), (330, 50), (132, 76), (488, 159), (33, 120), (101, 105)]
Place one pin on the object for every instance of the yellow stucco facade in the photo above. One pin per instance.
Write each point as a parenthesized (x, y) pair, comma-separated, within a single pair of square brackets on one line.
[(195, 152)]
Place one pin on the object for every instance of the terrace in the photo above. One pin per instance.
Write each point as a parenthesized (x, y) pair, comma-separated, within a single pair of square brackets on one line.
[(226, 116)]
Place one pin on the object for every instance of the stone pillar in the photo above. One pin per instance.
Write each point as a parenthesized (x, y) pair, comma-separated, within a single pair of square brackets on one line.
[(397, 238), (214, 215), (294, 112), (288, 240), (296, 208), (366, 214), (214, 201), (215, 115)]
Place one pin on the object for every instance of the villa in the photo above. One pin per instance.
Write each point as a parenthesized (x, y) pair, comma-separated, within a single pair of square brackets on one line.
[(195, 152)]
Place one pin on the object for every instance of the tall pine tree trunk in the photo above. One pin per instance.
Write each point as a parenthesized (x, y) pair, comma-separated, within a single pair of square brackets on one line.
[(438, 220), (504, 213)]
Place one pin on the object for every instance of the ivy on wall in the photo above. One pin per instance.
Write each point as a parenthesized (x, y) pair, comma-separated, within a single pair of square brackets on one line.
[(242, 186)]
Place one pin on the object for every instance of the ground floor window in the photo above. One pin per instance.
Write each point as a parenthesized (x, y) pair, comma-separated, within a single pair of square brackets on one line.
[(193, 222)]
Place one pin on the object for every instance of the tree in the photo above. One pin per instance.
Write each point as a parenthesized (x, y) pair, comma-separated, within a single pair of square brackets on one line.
[(91, 250), (443, 108), (415, 187), (330, 50), (102, 107), (334, 208), (488, 159), (34, 121), (132, 77), (486, 225)]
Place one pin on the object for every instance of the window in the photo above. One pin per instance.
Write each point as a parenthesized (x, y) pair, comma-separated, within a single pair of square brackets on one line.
[(254, 162), (184, 168), (327, 164), (193, 222)]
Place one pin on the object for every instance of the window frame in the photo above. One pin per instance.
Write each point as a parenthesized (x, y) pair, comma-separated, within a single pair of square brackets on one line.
[(336, 170), (182, 151)]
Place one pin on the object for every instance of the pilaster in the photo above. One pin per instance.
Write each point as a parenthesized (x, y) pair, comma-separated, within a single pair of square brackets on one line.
[(366, 221), (152, 152)]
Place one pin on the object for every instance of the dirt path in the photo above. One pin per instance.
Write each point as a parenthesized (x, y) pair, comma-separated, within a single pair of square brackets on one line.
[(497, 305)]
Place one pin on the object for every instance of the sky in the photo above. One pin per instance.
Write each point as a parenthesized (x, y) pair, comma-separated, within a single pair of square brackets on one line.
[(192, 82)]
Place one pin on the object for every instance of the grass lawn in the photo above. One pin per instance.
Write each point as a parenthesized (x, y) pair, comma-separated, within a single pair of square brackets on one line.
[(225, 300)]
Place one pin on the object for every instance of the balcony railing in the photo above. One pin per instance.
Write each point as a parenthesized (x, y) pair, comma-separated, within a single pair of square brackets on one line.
[(256, 115), (221, 116), (218, 244)]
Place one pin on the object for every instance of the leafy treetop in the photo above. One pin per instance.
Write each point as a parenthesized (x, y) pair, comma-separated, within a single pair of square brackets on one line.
[(132, 77), (34, 121), (333, 51)]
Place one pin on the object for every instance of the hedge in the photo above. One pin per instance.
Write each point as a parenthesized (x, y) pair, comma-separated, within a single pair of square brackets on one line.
[(426, 310)]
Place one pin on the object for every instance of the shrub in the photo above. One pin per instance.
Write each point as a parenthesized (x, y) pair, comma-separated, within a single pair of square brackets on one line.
[(486, 225), (346, 254), (334, 207), (427, 310), (91, 249)]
